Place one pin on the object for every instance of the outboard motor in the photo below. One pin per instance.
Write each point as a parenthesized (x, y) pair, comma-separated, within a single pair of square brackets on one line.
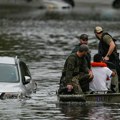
[(71, 2), (116, 4)]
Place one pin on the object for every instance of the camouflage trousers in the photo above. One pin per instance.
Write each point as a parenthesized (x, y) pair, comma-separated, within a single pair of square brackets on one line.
[(80, 83), (115, 83)]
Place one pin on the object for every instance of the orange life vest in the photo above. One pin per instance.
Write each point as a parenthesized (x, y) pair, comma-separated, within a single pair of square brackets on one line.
[(98, 64)]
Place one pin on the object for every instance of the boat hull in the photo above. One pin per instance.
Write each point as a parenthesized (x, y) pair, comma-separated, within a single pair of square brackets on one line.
[(105, 98)]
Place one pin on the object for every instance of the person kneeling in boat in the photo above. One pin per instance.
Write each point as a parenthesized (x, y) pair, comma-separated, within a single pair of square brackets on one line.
[(76, 74), (101, 75)]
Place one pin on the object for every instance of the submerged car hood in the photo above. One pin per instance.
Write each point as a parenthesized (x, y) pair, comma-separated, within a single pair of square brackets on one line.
[(10, 87)]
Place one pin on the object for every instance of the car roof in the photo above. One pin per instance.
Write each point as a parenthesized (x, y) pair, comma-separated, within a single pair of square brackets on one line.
[(7, 60)]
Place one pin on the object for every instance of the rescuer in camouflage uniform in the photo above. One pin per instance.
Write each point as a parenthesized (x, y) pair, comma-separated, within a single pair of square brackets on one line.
[(76, 74), (83, 39)]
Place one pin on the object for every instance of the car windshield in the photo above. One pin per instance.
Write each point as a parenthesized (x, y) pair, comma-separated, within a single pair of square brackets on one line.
[(8, 73)]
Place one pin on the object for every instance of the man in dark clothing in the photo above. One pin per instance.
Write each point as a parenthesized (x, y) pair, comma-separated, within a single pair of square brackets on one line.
[(107, 48), (76, 74), (83, 39)]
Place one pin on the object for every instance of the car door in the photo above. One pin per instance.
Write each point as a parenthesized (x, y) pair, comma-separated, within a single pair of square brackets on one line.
[(26, 77)]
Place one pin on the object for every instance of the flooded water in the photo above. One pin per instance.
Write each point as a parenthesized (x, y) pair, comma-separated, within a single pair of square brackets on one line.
[(44, 46)]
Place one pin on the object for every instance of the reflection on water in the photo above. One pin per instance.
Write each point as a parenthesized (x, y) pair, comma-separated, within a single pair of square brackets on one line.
[(89, 111), (44, 45)]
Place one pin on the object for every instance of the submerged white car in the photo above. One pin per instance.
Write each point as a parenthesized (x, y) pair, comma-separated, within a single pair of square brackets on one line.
[(15, 79), (57, 6)]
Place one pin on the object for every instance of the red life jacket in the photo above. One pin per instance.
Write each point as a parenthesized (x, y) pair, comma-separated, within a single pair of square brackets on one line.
[(98, 64)]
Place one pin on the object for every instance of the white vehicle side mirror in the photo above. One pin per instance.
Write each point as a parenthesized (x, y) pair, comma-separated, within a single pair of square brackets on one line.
[(27, 79)]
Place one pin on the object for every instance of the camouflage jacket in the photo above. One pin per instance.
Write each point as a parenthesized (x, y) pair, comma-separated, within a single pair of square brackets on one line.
[(73, 66)]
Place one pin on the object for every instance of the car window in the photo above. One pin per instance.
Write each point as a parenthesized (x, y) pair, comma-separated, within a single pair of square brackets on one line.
[(8, 73)]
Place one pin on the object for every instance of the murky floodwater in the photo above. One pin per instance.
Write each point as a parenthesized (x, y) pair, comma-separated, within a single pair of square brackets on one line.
[(44, 46)]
